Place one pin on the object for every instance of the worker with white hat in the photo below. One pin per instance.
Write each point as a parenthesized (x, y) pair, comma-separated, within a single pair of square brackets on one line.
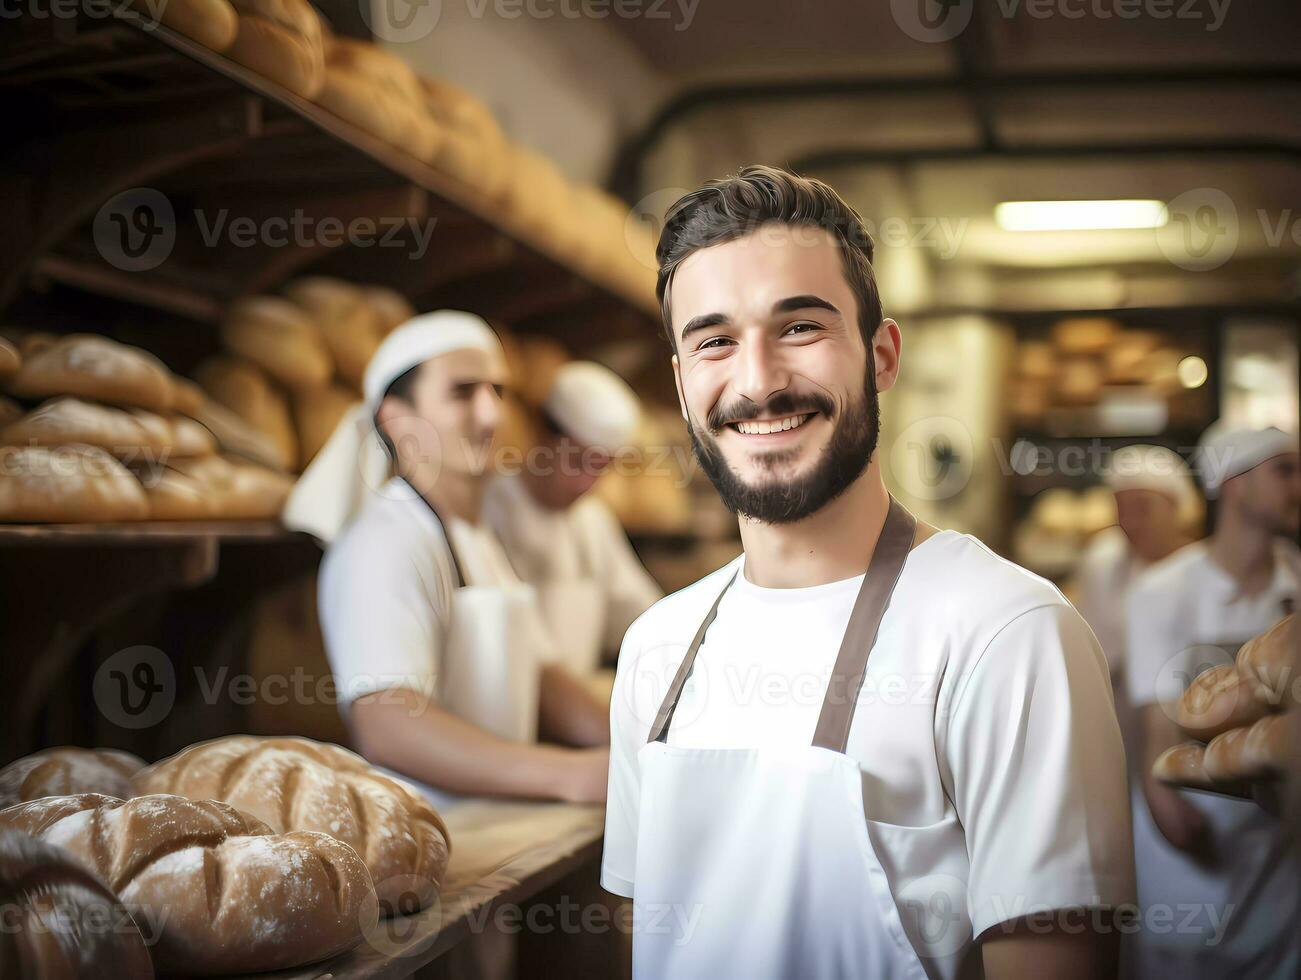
[(560, 537), (444, 668), (1223, 861)]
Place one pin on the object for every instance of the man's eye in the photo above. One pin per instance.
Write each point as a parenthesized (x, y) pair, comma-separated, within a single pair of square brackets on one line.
[(803, 327), (714, 342)]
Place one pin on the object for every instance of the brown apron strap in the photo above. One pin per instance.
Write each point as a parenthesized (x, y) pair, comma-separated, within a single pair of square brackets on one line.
[(660, 730), (882, 576), (883, 573), (447, 534)]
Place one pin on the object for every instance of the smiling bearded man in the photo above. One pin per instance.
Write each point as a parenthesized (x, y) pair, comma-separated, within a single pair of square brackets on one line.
[(779, 804)]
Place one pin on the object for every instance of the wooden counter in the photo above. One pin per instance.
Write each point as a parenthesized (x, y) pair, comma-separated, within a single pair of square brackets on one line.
[(502, 853)]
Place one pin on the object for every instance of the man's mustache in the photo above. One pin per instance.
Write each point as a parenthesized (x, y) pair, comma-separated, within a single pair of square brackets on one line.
[(779, 405)]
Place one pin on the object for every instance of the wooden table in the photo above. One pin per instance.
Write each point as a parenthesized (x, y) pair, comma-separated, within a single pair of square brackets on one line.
[(502, 854)]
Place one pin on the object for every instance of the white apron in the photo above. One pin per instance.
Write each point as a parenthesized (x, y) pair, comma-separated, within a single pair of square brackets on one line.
[(757, 863)]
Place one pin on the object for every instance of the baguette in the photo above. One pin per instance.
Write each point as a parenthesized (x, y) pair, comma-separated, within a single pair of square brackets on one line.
[(1266, 745), (1183, 765), (345, 320), (279, 337), (60, 922), (1269, 662), (1226, 760), (1218, 699), (67, 484), (299, 784), (227, 896), (95, 368), (281, 40), (65, 421), (68, 770)]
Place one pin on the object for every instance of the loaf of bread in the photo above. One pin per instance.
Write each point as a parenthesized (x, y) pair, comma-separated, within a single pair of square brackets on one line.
[(298, 784), (1217, 700), (65, 421), (67, 484), (95, 368), (1266, 745), (213, 23), (1084, 335), (10, 359), (10, 411), (317, 413), (389, 307), (280, 338), (191, 438), (236, 490), (175, 496), (1183, 765), (1226, 760), (60, 922), (537, 200), (244, 388), (1269, 662), (68, 770), (187, 397), (226, 895), (345, 320), (473, 148), (376, 91), (281, 40)]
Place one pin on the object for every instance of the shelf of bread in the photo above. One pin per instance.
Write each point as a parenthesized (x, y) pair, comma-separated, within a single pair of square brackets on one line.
[(339, 110), (247, 854)]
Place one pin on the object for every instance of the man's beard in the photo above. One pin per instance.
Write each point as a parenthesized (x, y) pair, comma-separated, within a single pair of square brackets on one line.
[(841, 462)]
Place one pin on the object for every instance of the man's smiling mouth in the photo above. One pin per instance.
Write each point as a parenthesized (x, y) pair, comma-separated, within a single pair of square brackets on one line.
[(760, 427)]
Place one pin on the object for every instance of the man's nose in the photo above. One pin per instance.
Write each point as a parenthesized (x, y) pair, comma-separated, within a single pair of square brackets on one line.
[(487, 408), (761, 372)]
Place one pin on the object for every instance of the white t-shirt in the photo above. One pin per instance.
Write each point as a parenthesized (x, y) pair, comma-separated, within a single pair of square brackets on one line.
[(1185, 615), (583, 542), (385, 592), (1107, 570), (985, 730)]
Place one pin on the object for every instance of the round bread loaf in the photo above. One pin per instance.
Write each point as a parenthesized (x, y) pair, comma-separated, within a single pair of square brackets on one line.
[(68, 421), (67, 484), (317, 413), (187, 397), (213, 23), (345, 319), (1183, 765), (298, 784), (1269, 662), (1226, 760), (1266, 746), (245, 389), (1218, 700), (10, 359), (68, 770), (390, 308), (95, 368), (224, 895), (60, 922), (281, 40), (280, 338)]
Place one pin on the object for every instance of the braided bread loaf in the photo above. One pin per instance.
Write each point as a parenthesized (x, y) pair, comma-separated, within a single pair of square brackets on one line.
[(299, 784), (222, 894)]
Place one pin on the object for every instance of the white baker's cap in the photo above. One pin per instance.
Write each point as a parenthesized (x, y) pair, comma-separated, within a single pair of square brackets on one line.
[(1143, 467), (1225, 452), (421, 338), (594, 405)]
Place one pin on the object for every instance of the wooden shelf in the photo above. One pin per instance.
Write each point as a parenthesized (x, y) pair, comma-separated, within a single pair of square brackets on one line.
[(155, 109), (143, 533)]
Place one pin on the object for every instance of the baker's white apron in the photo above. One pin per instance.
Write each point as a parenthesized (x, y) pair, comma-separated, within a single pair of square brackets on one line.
[(574, 610), (757, 863)]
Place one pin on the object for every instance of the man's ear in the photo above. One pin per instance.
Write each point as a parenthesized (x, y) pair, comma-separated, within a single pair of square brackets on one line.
[(677, 383), (887, 346)]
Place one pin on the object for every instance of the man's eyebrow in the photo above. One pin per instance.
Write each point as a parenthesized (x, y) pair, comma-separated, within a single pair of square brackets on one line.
[(703, 322), (808, 302)]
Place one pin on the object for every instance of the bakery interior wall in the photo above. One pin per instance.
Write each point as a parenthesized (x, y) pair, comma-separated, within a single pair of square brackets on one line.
[(924, 135)]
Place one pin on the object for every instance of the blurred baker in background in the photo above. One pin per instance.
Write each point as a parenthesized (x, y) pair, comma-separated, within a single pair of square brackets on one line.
[(445, 670), (561, 538), (1220, 865), (1157, 509)]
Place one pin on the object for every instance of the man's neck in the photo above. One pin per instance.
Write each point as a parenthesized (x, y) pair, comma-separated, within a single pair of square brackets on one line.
[(833, 544), (1245, 551), (451, 495)]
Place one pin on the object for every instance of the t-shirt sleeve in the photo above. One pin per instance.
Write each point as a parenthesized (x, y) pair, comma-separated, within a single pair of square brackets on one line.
[(1038, 772), (383, 619), (627, 734)]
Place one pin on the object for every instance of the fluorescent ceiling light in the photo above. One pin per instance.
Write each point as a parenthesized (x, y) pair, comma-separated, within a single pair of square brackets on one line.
[(1079, 215)]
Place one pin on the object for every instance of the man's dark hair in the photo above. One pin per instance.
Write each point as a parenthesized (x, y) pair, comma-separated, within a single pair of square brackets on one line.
[(727, 209), (399, 387)]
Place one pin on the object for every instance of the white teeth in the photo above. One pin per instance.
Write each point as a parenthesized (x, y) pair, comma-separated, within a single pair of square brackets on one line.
[(773, 425)]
